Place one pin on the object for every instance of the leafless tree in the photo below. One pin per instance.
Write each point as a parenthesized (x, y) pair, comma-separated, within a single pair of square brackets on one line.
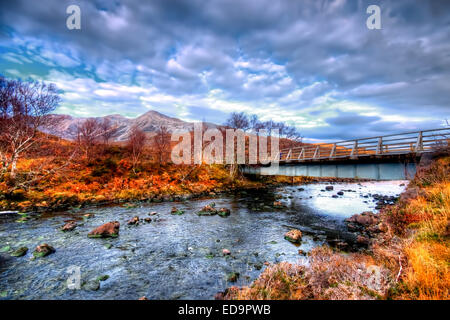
[(161, 142), (238, 120), (108, 130), (24, 110), (136, 144), (88, 134)]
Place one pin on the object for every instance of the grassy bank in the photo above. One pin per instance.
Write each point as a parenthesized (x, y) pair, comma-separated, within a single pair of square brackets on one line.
[(409, 260)]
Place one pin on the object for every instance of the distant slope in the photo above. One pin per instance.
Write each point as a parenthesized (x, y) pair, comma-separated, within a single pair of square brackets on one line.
[(66, 126)]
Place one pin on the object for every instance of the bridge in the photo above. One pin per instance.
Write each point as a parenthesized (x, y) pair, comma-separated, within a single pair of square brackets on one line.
[(389, 157)]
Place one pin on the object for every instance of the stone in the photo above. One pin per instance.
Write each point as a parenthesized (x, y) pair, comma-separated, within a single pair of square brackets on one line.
[(294, 236), (224, 212), (233, 276), (340, 193), (103, 277), (88, 215), (148, 220), (226, 252), (133, 221), (20, 252), (153, 213), (362, 240), (69, 226), (143, 298), (109, 229), (43, 250), (92, 285), (329, 188), (277, 204), (176, 211), (208, 210)]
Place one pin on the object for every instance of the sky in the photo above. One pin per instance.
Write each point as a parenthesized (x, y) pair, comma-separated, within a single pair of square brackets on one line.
[(311, 63)]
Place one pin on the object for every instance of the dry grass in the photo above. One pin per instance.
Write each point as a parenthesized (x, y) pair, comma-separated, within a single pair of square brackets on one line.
[(330, 276)]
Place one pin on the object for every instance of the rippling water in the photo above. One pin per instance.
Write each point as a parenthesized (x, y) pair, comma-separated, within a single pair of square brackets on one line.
[(177, 257)]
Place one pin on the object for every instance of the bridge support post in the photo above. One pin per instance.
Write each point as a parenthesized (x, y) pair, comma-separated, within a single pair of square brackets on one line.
[(333, 151), (317, 152), (380, 146), (419, 142), (355, 149)]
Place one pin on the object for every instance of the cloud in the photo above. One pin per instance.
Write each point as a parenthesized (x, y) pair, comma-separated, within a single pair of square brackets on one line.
[(311, 63)]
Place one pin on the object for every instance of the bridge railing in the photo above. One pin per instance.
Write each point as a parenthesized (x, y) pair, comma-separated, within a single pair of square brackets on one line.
[(403, 143)]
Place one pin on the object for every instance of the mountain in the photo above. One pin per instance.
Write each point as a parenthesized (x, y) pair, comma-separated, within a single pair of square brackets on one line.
[(66, 126)]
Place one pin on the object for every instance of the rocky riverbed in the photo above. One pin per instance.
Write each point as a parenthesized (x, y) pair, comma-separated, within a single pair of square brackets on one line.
[(174, 250)]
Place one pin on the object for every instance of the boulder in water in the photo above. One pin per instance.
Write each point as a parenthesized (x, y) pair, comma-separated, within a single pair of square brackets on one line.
[(69, 226), (224, 212), (208, 210), (20, 252), (109, 229), (176, 211), (133, 221), (294, 236), (43, 250)]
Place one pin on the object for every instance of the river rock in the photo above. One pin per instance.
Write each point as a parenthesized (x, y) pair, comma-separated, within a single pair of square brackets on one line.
[(153, 213), (43, 250), (294, 236), (340, 193), (148, 220), (208, 210), (176, 211), (329, 188), (92, 285), (233, 276), (20, 252), (362, 240), (133, 221), (226, 252), (364, 219), (411, 193), (88, 215), (109, 229), (277, 204), (69, 226), (143, 298), (224, 212)]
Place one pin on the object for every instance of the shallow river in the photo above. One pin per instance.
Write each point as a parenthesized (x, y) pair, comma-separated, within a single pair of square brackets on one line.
[(177, 257)]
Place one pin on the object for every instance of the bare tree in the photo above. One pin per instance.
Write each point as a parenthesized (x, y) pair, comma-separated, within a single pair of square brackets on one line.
[(24, 110), (162, 144), (238, 120), (136, 144), (107, 130), (88, 133)]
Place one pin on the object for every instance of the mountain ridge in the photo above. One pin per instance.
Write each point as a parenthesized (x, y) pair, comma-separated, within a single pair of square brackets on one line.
[(66, 125)]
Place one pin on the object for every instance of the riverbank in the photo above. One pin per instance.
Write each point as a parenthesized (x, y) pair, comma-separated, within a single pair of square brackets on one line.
[(407, 255), (112, 180)]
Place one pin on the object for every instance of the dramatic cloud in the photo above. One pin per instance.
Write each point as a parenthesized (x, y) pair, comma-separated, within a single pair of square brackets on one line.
[(312, 63)]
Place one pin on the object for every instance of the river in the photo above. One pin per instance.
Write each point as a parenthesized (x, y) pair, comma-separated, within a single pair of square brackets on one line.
[(177, 257)]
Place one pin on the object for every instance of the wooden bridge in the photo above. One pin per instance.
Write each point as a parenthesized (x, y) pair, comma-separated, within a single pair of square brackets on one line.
[(389, 157)]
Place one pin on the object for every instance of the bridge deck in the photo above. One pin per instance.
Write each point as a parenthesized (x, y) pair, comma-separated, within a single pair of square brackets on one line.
[(395, 144)]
